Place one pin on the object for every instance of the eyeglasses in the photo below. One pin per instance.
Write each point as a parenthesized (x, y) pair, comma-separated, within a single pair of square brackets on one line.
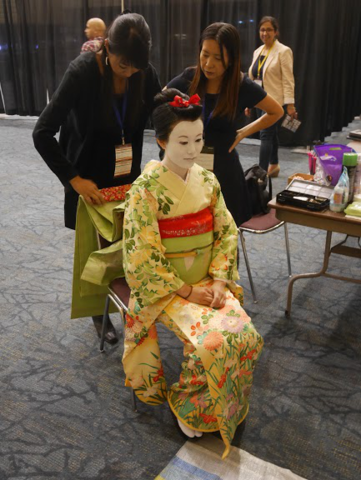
[(266, 30)]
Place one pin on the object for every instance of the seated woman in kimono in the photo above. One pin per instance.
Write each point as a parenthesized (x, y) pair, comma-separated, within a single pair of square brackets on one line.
[(180, 250)]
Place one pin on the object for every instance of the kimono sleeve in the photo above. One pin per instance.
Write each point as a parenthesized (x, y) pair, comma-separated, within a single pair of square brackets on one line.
[(224, 254), (149, 274)]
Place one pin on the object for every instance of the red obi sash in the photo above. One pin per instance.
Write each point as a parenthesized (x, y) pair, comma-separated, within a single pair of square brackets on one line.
[(187, 225)]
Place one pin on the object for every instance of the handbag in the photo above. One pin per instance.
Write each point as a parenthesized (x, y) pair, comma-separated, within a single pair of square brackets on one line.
[(259, 187)]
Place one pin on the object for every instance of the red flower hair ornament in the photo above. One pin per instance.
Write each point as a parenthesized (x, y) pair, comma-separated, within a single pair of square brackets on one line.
[(180, 103)]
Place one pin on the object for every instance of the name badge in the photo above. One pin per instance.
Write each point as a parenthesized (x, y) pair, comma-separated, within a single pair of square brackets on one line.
[(258, 81), (206, 158), (123, 160)]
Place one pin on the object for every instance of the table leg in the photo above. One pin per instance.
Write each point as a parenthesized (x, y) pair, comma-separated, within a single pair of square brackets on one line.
[(293, 278)]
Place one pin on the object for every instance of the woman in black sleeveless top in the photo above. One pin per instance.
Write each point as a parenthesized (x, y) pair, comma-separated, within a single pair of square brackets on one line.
[(225, 94)]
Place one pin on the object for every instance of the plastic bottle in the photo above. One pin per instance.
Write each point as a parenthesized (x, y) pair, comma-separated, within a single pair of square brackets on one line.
[(336, 203), (340, 194), (357, 183), (350, 162)]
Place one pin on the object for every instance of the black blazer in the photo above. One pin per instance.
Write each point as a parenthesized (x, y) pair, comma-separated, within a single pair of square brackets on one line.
[(76, 109)]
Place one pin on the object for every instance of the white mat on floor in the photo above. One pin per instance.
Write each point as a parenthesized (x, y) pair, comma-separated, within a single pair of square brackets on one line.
[(201, 460)]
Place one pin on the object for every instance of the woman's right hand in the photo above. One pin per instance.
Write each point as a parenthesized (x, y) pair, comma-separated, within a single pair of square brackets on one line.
[(247, 112), (88, 189), (291, 111), (201, 295)]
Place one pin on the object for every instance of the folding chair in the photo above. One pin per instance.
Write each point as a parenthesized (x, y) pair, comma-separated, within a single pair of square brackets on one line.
[(261, 224)]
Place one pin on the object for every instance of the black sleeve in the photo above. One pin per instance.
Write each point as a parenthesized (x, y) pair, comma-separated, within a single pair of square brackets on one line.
[(154, 86), (250, 94), (182, 81), (53, 117)]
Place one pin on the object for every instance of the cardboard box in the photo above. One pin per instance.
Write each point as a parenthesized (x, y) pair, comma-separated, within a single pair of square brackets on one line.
[(304, 176)]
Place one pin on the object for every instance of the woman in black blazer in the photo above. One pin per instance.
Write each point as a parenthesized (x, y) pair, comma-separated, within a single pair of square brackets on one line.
[(102, 102)]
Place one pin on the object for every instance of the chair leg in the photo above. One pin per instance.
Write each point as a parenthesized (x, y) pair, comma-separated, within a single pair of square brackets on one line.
[(122, 312), (288, 250), (134, 401), (122, 317), (243, 242), (104, 325)]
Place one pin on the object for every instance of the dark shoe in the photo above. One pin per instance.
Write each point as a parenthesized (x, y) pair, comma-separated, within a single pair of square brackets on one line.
[(111, 336)]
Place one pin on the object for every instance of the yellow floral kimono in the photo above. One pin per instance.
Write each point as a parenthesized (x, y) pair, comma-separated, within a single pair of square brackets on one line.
[(178, 232)]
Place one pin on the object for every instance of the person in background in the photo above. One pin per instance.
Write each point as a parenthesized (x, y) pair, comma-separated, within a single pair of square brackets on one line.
[(94, 31), (101, 107), (225, 94), (272, 68), (179, 250)]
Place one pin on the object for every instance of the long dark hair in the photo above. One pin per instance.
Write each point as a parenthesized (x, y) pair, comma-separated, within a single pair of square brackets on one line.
[(128, 37), (165, 116), (227, 36)]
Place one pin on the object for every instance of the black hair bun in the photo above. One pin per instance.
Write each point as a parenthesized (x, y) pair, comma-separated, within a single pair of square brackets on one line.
[(166, 116), (166, 96)]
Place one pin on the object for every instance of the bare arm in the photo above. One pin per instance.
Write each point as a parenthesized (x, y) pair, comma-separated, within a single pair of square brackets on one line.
[(274, 112)]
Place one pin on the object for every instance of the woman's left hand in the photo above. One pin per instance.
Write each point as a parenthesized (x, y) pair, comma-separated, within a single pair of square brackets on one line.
[(219, 294)]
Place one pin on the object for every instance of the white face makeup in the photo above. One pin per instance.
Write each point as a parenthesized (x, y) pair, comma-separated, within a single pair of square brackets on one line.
[(184, 146)]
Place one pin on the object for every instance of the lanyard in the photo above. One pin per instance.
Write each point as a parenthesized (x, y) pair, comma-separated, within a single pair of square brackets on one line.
[(260, 64), (120, 119)]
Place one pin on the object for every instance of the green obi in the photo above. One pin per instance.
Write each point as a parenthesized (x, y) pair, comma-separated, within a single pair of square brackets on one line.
[(95, 267), (190, 256)]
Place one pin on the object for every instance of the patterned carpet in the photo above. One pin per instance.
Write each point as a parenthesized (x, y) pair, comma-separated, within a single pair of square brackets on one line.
[(65, 413)]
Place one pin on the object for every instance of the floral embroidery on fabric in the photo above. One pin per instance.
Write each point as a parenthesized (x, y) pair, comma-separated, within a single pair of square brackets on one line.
[(221, 346), (115, 194)]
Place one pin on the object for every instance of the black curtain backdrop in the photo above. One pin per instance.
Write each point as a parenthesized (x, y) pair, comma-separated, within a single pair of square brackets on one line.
[(325, 36), (38, 39)]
